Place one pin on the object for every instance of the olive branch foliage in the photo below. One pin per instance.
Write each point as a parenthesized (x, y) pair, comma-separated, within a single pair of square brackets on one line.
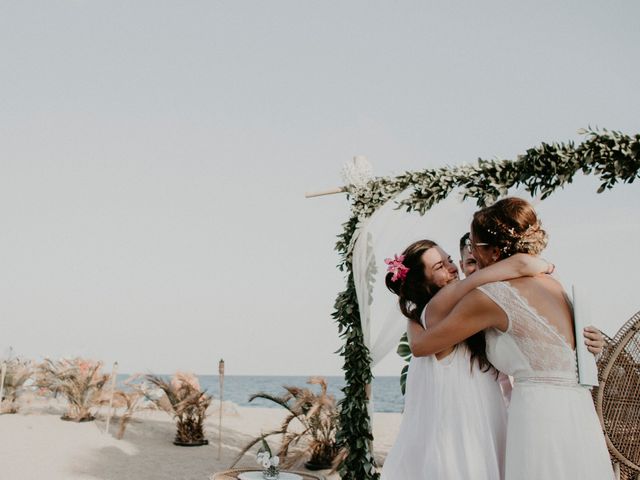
[(612, 156)]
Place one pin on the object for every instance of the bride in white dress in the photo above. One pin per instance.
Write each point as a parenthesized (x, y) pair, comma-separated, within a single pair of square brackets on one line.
[(553, 430), (454, 421)]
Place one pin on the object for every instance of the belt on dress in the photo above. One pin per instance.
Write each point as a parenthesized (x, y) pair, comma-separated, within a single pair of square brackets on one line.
[(552, 381)]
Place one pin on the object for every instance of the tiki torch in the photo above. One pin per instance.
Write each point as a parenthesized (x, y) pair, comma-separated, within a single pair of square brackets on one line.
[(114, 373), (221, 380), (3, 372)]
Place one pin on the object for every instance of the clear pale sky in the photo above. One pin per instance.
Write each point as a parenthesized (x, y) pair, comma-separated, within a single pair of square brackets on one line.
[(154, 157)]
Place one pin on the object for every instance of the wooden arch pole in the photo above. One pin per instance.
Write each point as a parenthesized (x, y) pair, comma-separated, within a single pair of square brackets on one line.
[(321, 193)]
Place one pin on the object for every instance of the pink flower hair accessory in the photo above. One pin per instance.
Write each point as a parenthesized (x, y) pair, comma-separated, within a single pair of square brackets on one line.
[(395, 266)]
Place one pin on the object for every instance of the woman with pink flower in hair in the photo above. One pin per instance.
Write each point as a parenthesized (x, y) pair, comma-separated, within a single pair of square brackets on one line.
[(454, 422)]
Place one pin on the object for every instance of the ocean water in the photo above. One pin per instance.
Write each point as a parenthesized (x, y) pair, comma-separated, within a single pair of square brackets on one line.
[(387, 396)]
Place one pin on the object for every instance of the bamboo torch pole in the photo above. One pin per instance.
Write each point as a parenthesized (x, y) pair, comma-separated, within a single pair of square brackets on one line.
[(114, 373), (3, 373), (221, 380)]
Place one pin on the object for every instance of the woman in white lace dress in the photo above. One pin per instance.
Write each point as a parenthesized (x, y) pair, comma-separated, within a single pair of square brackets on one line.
[(454, 421), (553, 430)]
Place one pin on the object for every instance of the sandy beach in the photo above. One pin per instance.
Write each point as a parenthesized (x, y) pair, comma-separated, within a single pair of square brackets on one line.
[(37, 444)]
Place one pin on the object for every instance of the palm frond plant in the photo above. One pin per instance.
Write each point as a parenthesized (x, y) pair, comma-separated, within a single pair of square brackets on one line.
[(131, 399), (18, 372), (127, 402), (183, 399), (309, 429), (78, 380), (131, 402)]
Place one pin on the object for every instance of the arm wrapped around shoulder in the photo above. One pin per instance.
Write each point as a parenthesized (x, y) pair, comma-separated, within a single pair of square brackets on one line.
[(473, 313)]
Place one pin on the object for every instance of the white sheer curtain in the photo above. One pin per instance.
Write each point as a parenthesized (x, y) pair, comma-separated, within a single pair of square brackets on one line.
[(387, 232)]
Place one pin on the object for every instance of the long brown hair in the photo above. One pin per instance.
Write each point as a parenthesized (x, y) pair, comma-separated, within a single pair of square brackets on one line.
[(415, 291)]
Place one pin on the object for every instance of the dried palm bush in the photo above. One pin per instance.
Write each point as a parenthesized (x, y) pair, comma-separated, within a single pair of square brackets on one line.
[(308, 431), (78, 380), (131, 402), (127, 402), (186, 402), (17, 373)]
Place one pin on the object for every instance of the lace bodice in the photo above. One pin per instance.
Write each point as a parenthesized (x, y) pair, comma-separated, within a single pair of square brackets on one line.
[(531, 348)]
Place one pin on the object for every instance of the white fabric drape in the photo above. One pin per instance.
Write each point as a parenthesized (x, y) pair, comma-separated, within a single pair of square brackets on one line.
[(387, 232)]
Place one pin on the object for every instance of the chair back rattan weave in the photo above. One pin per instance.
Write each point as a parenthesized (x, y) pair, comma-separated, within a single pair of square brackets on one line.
[(617, 399)]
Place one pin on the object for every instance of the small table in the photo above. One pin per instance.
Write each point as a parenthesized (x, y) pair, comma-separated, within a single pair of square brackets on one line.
[(233, 474)]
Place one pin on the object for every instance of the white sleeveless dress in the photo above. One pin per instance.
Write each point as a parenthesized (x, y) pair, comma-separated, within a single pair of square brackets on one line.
[(553, 430), (454, 422)]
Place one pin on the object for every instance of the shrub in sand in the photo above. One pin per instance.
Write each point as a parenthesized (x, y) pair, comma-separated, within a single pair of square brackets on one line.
[(313, 436), (183, 399), (135, 398), (78, 380), (130, 402), (18, 371)]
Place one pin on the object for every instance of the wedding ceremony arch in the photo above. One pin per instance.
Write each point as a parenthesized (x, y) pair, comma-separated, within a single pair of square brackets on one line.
[(611, 156)]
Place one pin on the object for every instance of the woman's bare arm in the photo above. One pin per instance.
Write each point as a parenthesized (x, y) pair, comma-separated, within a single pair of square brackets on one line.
[(519, 265), (475, 312)]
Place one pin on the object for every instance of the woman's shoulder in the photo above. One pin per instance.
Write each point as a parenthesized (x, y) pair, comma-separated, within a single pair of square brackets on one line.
[(492, 288), (539, 282), (489, 297)]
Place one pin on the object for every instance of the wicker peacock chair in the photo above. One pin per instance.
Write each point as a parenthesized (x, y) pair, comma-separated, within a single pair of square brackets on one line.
[(617, 399)]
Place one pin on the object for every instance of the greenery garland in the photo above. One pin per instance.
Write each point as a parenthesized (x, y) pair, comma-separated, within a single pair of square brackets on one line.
[(610, 155)]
